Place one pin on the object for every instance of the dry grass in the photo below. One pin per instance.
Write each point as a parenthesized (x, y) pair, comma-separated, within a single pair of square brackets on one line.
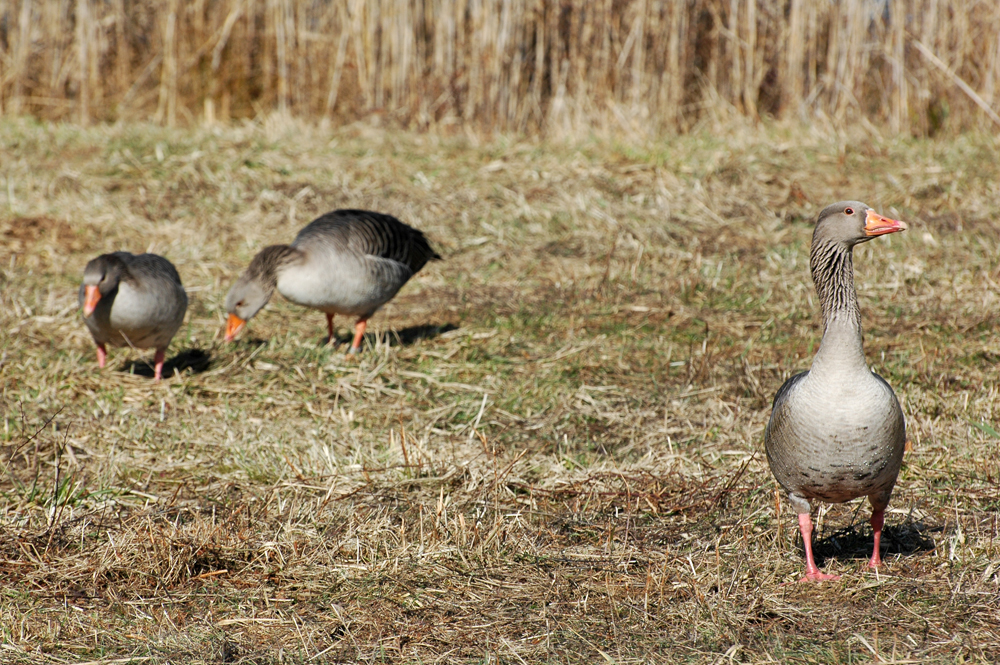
[(630, 67), (550, 451)]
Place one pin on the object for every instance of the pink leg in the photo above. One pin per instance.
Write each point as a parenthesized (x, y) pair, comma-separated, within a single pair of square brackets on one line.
[(812, 572), (102, 355), (878, 519), (329, 328), (158, 362), (359, 333)]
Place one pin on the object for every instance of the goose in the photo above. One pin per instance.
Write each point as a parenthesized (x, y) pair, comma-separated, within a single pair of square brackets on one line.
[(837, 431), (132, 300), (348, 262)]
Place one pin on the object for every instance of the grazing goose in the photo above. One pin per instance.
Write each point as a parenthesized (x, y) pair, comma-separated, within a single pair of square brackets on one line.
[(837, 432), (347, 262), (132, 300)]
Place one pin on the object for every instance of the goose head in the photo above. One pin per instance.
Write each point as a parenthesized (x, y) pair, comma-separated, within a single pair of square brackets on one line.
[(100, 278), (849, 223), (243, 301)]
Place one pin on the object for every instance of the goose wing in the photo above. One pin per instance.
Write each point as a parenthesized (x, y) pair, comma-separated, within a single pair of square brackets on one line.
[(370, 234)]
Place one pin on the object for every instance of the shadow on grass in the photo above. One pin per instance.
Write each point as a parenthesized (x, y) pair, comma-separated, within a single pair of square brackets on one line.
[(855, 541), (196, 360), (403, 337)]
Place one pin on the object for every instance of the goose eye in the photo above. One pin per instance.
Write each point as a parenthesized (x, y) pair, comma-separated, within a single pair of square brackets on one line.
[(849, 211)]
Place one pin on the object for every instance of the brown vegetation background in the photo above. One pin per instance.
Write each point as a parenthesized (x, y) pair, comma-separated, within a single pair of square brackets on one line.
[(636, 66), (550, 450)]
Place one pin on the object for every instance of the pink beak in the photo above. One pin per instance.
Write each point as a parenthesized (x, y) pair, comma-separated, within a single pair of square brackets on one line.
[(877, 225)]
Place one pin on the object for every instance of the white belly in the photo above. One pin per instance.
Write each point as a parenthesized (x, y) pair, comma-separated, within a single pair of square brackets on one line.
[(347, 285)]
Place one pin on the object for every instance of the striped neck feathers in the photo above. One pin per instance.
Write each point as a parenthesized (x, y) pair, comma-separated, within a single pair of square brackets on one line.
[(833, 274), (842, 346), (269, 261)]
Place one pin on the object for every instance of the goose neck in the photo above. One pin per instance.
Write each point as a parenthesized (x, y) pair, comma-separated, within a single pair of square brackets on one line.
[(833, 275), (269, 262)]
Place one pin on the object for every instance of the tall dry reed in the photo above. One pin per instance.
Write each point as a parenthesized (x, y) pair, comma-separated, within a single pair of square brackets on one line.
[(636, 66)]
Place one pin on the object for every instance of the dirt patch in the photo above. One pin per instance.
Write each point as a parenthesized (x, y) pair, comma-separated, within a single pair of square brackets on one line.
[(30, 234)]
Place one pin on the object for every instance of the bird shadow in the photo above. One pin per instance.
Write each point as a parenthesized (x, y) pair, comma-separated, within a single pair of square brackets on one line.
[(196, 360), (855, 541), (402, 337)]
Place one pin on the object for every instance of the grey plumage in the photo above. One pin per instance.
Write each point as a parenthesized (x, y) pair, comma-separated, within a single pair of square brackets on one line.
[(372, 234), (139, 301), (837, 431), (347, 262)]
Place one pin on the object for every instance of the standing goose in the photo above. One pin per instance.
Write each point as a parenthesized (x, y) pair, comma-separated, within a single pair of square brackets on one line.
[(837, 431), (132, 300), (347, 262)]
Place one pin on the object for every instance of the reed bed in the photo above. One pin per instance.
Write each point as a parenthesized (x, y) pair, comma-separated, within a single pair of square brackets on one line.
[(636, 67)]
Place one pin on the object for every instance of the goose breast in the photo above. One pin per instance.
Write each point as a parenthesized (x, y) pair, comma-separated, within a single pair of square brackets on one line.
[(836, 442)]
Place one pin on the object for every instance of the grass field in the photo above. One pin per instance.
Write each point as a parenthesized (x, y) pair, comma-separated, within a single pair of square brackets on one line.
[(551, 449)]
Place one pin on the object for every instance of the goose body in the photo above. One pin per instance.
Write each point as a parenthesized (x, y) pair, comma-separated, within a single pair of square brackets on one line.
[(348, 262), (132, 300), (837, 431)]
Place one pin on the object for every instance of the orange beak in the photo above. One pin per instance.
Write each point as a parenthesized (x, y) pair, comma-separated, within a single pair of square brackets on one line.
[(91, 296), (233, 325), (877, 225)]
